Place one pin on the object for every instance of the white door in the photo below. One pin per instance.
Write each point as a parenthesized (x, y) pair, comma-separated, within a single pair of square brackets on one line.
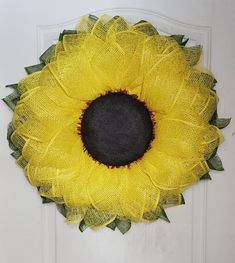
[(202, 231)]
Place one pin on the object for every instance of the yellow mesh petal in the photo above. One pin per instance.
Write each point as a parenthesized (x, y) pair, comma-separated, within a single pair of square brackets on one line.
[(141, 194), (30, 82), (145, 27), (95, 219), (75, 75), (109, 181), (75, 191), (73, 41)]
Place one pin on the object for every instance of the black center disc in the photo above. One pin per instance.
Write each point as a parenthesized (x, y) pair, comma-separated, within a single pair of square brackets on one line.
[(116, 129)]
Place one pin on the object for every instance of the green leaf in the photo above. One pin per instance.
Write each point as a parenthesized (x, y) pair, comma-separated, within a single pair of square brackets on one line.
[(206, 177), (192, 54), (12, 99), (82, 226), (222, 122), (123, 225), (66, 32), (150, 215), (93, 18), (16, 154), (214, 118), (214, 83), (10, 130), (46, 56), (182, 200), (219, 122), (180, 39), (215, 163), (46, 200), (112, 225), (145, 27), (62, 209), (163, 215), (13, 86), (34, 68), (22, 162)]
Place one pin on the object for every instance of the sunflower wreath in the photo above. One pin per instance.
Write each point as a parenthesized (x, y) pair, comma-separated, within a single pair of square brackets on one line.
[(115, 123)]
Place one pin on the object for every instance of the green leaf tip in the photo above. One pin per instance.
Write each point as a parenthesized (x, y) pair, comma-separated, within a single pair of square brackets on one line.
[(10, 131), (215, 163), (62, 209), (163, 215), (222, 122), (82, 226), (11, 99), (112, 225), (46, 200), (34, 68), (182, 200), (192, 54), (93, 17), (66, 32), (219, 122), (206, 177), (180, 39), (46, 55), (16, 154), (123, 225), (13, 86)]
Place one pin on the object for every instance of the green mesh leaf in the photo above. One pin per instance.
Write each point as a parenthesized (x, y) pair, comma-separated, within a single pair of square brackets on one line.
[(62, 209), (13, 86), (95, 217), (145, 27), (206, 177), (215, 163), (150, 215), (16, 154), (180, 39), (12, 99), (154, 215), (10, 130), (163, 215), (182, 200), (112, 225), (82, 226), (93, 18), (22, 162), (123, 225), (46, 56), (34, 68), (214, 83), (66, 32), (222, 122), (192, 54), (46, 200), (214, 118)]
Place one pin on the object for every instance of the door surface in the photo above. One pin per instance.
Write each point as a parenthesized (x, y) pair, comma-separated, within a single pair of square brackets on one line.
[(201, 231)]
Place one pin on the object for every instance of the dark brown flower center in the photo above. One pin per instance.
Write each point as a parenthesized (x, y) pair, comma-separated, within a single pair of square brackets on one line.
[(116, 129)]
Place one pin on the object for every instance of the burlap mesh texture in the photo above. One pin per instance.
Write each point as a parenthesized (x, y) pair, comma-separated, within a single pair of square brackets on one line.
[(105, 56)]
